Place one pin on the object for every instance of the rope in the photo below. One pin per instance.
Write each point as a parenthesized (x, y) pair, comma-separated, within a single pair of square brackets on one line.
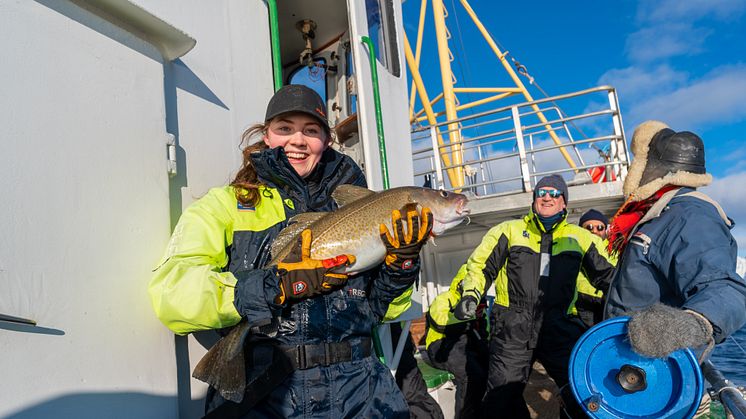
[(737, 344), (522, 70)]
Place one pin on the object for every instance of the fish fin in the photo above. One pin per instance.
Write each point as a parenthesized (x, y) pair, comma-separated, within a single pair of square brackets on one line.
[(346, 194), (223, 366), (291, 233), (307, 218)]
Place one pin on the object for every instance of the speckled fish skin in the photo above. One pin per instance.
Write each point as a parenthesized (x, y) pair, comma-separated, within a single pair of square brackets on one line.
[(353, 229)]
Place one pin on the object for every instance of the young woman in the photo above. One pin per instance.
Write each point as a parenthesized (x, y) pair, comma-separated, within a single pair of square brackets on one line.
[(215, 273)]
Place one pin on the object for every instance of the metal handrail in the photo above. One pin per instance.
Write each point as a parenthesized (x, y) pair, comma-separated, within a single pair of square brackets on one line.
[(521, 105), (480, 151), (730, 397)]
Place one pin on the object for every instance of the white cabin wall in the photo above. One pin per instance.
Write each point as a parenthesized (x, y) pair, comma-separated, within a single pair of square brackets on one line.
[(87, 205), (83, 217), (222, 87), (394, 104)]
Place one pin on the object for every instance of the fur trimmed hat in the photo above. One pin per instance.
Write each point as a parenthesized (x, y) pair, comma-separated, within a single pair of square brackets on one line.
[(682, 152)]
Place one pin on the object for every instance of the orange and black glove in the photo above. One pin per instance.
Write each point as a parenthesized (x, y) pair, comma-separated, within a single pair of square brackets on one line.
[(302, 277), (403, 250)]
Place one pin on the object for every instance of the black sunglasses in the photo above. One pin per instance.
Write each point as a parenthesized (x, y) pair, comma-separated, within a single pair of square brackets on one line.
[(589, 227), (554, 193)]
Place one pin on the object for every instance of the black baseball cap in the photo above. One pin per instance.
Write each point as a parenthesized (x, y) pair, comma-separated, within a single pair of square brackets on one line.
[(297, 98)]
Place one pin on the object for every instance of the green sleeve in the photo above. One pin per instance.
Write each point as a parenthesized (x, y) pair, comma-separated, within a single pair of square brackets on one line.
[(440, 310), (399, 305), (486, 260), (189, 290), (597, 266)]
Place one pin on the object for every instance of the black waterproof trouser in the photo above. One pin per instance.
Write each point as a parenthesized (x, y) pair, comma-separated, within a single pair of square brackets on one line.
[(590, 309), (466, 358), (519, 336), (410, 381)]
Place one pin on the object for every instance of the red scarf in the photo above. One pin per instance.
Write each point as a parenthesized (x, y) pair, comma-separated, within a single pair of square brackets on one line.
[(627, 218)]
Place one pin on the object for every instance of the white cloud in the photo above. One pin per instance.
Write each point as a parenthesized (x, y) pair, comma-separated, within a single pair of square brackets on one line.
[(713, 99), (634, 83), (731, 196), (688, 10), (665, 40), (669, 95)]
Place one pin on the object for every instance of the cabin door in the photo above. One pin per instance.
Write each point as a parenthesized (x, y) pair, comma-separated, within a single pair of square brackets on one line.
[(84, 216)]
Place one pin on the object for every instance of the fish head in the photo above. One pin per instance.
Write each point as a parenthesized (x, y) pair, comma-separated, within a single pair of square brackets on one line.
[(449, 208)]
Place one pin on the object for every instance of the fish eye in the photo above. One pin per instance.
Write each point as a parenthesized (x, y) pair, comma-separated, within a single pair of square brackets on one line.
[(444, 194)]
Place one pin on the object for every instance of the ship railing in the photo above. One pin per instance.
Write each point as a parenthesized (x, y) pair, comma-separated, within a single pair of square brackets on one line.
[(729, 395), (505, 150)]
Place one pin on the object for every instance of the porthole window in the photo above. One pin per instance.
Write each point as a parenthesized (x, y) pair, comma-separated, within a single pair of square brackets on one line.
[(313, 77)]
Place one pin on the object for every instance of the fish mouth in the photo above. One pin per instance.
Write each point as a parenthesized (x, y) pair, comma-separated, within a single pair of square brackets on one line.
[(462, 209)]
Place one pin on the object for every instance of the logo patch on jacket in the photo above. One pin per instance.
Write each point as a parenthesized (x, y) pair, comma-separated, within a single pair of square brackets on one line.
[(299, 287), (354, 292), (242, 207), (525, 233)]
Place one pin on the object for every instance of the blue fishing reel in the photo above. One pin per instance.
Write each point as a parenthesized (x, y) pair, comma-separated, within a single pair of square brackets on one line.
[(609, 380)]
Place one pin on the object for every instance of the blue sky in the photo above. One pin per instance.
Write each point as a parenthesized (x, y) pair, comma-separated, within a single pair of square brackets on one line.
[(679, 61)]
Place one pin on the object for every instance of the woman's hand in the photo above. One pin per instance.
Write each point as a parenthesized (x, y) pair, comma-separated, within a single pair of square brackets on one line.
[(302, 277), (403, 250)]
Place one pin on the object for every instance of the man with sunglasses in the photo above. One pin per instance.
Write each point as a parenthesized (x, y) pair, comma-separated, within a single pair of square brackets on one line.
[(589, 305), (595, 222), (541, 256)]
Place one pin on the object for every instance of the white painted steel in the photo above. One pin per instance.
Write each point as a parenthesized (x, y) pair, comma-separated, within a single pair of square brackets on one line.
[(87, 204), (521, 149), (394, 104)]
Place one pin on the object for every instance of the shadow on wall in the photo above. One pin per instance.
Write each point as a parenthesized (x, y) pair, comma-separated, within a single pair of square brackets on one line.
[(102, 405), (188, 407)]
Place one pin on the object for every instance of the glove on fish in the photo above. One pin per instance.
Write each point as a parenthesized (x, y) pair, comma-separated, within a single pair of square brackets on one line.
[(466, 308), (403, 250), (659, 330), (302, 277)]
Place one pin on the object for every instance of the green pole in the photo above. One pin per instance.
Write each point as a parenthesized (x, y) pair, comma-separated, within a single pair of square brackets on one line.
[(379, 116), (274, 33)]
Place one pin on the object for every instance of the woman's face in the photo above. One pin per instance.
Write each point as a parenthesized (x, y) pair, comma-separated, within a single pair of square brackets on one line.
[(302, 137)]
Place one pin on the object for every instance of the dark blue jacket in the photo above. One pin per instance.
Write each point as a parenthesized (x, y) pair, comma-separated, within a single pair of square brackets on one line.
[(360, 388), (686, 258)]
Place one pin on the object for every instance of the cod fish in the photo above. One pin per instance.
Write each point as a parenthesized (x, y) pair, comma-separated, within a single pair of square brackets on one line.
[(352, 229)]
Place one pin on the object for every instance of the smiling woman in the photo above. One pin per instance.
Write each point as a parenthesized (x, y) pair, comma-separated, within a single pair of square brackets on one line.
[(301, 136), (300, 319)]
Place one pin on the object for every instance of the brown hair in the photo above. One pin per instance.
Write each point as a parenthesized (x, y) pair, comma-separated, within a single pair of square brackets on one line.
[(246, 183)]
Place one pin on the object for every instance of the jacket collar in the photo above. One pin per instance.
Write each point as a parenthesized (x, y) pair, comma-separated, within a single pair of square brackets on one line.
[(314, 192), (532, 219)]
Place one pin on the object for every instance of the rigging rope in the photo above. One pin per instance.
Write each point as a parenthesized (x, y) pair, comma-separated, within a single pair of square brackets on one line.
[(522, 70)]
